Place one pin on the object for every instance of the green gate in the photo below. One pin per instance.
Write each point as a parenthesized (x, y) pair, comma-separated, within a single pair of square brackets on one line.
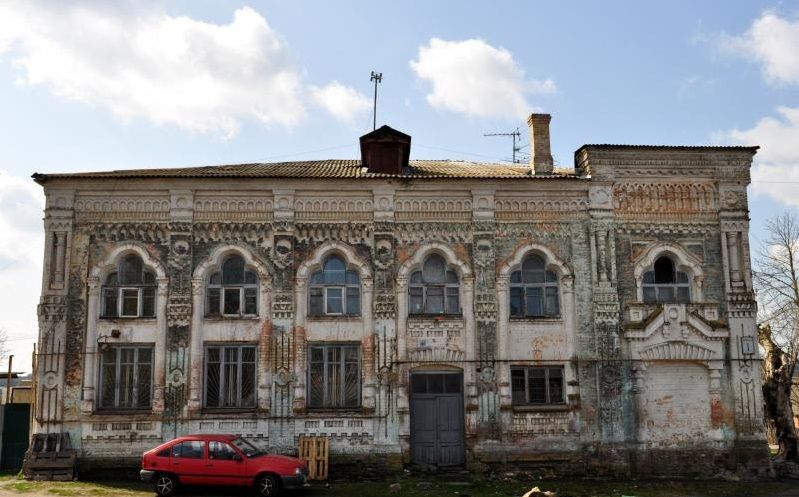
[(16, 423)]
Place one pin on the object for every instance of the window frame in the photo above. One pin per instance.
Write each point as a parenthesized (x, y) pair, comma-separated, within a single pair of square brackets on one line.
[(527, 375), (445, 288), (342, 363), (117, 377), (119, 288), (222, 289), (221, 394), (527, 287), (674, 286), (344, 287)]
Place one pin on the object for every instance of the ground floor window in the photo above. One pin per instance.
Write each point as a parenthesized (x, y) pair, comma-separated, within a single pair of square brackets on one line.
[(126, 375), (230, 376), (537, 385), (334, 376)]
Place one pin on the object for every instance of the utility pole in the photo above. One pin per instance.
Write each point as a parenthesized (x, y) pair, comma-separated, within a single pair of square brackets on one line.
[(8, 379), (377, 77), (514, 135)]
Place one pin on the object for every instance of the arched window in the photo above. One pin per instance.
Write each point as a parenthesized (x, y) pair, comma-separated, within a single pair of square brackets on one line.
[(534, 290), (129, 292), (664, 283), (335, 290), (233, 290), (434, 289)]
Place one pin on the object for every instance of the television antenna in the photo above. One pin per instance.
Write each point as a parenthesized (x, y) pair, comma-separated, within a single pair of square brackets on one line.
[(514, 136), (377, 77)]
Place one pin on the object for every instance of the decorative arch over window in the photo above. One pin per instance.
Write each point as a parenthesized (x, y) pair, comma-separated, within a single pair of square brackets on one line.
[(129, 290), (667, 273), (335, 290), (232, 290), (534, 289), (434, 288), (664, 283)]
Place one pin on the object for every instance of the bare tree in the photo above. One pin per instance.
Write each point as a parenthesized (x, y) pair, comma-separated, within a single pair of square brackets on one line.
[(776, 276)]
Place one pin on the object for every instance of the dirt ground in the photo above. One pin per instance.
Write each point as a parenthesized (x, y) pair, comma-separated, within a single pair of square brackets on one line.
[(413, 486)]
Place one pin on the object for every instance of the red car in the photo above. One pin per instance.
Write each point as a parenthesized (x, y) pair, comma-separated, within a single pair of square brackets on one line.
[(219, 460)]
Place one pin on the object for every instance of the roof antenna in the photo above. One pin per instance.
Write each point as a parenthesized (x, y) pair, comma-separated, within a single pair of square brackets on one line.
[(377, 77), (514, 135)]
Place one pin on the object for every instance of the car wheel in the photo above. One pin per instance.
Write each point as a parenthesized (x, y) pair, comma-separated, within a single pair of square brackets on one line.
[(267, 486), (165, 485)]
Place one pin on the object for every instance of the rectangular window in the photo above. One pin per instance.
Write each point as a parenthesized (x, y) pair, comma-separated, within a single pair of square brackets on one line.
[(516, 301), (534, 302), (552, 307), (148, 301), (251, 301), (417, 300), (434, 304), (353, 300), (213, 302), (130, 302), (232, 301), (126, 378), (230, 376), (110, 302), (537, 385), (334, 300), (334, 376), (453, 301), (316, 301)]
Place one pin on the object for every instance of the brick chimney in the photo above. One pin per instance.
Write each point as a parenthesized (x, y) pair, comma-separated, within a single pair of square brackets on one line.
[(540, 153)]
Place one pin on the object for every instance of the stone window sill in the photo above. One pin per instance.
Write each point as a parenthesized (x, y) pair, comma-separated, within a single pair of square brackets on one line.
[(532, 319), (336, 318), (542, 408), (221, 319), (123, 412), (435, 317), (111, 319), (328, 412), (229, 410)]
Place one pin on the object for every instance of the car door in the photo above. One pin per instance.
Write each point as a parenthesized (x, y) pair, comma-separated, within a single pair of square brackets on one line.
[(189, 462), (226, 466)]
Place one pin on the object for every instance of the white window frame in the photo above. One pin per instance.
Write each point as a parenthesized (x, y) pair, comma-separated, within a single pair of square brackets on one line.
[(342, 291)]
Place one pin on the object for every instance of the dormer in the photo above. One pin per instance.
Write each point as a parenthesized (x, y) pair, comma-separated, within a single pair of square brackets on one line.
[(385, 151)]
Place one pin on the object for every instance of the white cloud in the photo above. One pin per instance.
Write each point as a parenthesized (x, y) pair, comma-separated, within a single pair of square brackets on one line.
[(342, 102), (776, 169), (143, 63), (474, 78), (21, 249), (771, 41)]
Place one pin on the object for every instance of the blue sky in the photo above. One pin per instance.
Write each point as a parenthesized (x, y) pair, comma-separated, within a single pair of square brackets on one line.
[(110, 85)]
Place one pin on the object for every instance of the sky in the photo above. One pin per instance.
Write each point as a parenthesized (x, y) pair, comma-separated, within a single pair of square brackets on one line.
[(98, 84)]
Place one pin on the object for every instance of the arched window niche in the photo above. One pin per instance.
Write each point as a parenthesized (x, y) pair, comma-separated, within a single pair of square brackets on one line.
[(534, 289), (434, 288), (335, 289), (129, 290), (668, 274), (232, 290)]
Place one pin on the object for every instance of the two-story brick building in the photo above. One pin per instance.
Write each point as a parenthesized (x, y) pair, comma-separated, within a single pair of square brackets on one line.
[(592, 319)]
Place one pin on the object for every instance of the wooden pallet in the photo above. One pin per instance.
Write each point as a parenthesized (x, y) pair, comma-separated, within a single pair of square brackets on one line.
[(314, 451)]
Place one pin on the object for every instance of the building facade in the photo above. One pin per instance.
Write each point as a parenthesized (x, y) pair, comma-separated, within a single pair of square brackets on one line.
[(598, 319)]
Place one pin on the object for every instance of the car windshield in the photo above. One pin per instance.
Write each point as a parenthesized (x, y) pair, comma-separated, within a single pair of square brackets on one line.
[(246, 447)]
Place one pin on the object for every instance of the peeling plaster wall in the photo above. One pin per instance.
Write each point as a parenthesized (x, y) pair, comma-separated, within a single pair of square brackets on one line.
[(626, 363)]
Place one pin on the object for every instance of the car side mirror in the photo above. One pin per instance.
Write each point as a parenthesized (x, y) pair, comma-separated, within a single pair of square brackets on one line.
[(237, 457)]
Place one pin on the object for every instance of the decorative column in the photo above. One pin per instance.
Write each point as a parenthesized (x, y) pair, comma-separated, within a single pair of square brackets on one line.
[(159, 366), (196, 348), (90, 352)]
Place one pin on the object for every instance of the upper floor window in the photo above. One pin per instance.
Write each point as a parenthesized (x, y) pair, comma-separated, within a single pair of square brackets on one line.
[(129, 292), (664, 283), (434, 289), (335, 290), (233, 290), (534, 290)]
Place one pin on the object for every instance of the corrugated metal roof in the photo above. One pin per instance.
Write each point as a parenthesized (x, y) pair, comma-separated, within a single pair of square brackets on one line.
[(419, 169)]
